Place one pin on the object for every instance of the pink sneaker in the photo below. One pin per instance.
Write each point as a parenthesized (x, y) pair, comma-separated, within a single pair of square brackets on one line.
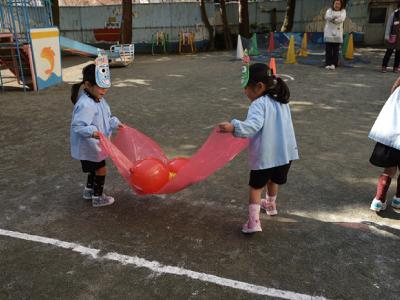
[(253, 224), (269, 207), (251, 227)]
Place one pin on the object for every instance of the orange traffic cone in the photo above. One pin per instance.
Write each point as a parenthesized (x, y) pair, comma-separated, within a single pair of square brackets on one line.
[(271, 45), (272, 65)]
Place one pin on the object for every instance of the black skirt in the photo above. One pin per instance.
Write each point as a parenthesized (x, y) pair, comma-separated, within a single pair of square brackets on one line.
[(384, 156), (278, 175), (91, 166)]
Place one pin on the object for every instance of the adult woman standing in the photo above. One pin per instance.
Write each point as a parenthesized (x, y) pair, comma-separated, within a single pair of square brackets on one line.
[(333, 33), (392, 40)]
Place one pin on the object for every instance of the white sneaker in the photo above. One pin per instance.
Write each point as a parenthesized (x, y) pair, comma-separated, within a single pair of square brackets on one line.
[(328, 67), (87, 193), (251, 227), (103, 200), (333, 67), (269, 207), (396, 202), (378, 205)]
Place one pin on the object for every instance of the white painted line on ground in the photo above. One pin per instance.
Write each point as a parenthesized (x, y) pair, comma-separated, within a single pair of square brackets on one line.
[(287, 77), (160, 268)]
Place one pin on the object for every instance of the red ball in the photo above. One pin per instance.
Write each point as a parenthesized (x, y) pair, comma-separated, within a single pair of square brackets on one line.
[(174, 165), (149, 176)]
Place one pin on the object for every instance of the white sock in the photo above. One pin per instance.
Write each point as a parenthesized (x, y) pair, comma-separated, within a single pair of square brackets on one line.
[(271, 198), (254, 212)]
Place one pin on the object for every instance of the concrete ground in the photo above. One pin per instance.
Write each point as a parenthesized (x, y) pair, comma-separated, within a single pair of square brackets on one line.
[(324, 242)]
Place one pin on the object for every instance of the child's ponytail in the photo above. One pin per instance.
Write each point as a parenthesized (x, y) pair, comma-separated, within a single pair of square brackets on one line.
[(89, 75), (280, 91), (75, 91), (276, 87)]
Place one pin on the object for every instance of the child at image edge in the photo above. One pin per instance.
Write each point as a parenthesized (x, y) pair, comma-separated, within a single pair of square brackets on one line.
[(272, 145), (386, 153), (90, 116)]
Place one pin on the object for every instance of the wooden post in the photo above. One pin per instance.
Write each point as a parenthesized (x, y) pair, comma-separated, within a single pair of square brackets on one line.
[(126, 22)]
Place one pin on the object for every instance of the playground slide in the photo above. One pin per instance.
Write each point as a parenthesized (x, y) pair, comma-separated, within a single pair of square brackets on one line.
[(79, 48)]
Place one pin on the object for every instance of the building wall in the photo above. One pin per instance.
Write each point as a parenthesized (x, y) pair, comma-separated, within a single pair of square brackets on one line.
[(78, 22)]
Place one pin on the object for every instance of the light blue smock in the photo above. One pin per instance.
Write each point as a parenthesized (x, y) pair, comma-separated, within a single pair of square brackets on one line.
[(89, 116), (386, 129), (270, 129)]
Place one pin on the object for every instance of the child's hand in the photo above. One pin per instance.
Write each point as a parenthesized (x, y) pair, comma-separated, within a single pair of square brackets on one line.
[(96, 135), (226, 127), (121, 125)]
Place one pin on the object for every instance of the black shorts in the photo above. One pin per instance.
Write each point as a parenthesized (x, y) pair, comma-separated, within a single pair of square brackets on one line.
[(384, 156), (91, 166), (278, 175)]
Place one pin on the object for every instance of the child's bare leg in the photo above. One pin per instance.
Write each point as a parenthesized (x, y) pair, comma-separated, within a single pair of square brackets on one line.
[(255, 196), (272, 189), (268, 204), (101, 171)]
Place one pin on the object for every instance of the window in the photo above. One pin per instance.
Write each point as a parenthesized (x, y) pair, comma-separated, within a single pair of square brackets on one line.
[(377, 15)]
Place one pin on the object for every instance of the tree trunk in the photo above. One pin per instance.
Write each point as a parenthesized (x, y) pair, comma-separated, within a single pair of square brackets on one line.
[(126, 22), (288, 22), (244, 28), (210, 45), (55, 11), (227, 31), (274, 20)]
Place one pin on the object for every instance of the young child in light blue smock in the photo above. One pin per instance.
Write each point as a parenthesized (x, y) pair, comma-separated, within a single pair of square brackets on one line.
[(386, 153), (91, 115), (272, 145)]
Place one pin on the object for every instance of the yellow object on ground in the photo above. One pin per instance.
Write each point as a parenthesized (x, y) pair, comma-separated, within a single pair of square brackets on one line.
[(303, 50), (350, 48), (291, 53)]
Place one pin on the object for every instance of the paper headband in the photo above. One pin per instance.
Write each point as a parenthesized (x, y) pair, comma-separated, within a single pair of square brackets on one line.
[(103, 78), (245, 69)]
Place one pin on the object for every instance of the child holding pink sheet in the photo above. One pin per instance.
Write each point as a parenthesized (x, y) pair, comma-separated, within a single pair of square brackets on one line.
[(272, 145), (90, 117)]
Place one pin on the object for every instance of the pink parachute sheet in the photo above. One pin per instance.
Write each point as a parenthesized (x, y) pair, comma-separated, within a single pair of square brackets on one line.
[(130, 146)]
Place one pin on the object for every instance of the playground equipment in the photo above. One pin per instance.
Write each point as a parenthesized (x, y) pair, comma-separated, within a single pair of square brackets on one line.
[(118, 55), (159, 39), (30, 46), (17, 18), (121, 55), (78, 48), (186, 39)]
